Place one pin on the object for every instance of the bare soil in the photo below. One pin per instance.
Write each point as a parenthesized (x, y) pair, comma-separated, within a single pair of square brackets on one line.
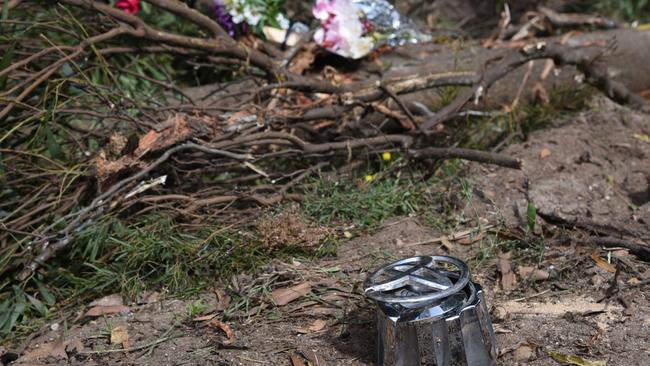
[(594, 167)]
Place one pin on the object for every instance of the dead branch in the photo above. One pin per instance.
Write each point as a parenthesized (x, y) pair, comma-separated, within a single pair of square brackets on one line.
[(219, 45), (604, 234), (181, 9), (468, 154), (585, 58)]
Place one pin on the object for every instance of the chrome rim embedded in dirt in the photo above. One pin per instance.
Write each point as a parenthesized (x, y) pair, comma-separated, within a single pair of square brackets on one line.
[(429, 312)]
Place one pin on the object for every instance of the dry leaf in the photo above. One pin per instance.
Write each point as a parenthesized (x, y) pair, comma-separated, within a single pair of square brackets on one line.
[(523, 353), (311, 356), (642, 137), (295, 361), (109, 300), (575, 360), (230, 335), (223, 299), (317, 325), (304, 59), (120, 335), (508, 278), (602, 263), (204, 317), (544, 153), (116, 143), (177, 130), (533, 274), (446, 243), (285, 295), (55, 350), (471, 239), (106, 310)]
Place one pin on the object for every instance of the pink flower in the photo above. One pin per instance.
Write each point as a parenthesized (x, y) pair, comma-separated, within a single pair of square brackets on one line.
[(342, 31), (128, 6)]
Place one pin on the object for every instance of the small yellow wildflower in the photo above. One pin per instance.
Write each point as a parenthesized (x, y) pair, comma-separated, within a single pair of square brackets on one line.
[(386, 156), (369, 178)]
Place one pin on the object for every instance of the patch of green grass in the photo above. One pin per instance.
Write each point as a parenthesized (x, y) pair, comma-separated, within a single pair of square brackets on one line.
[(367, 200), (485, 132), (366, 204), (627, 10), (156, 252), (195, 309)]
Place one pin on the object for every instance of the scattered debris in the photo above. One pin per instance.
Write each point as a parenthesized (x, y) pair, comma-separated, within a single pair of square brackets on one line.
[(316, 326), (120, 335), (110, 300), (508, 278), (575, 360), (602, 263), (523, 353), (533, 274), (106, 310), (285, 295), (296, 361), (230, 335)]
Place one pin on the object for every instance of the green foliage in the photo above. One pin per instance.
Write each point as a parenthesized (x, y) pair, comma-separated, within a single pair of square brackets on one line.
[(531, 216), (484, 132), (628, 10), (364, 204), (195, 308)]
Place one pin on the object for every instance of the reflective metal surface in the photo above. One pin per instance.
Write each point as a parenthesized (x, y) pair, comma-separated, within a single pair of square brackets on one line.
[(430, 313), (395, 28)]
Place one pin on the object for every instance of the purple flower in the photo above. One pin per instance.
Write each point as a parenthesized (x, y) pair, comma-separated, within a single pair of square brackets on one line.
[(224, 18)]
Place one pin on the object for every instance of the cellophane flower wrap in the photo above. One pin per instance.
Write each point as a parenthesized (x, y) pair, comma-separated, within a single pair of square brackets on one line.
[(353, 28)]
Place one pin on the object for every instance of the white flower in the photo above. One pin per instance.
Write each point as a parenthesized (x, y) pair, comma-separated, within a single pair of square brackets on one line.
[(342, 31), (283, 22)]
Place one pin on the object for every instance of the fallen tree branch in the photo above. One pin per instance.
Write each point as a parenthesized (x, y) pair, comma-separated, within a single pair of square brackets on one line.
[(51, 244), (639, 250), (584, 58), (603, 234), (468, 154)]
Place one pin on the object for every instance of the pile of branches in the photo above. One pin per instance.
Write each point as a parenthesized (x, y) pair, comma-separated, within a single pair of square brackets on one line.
[(75, 148)]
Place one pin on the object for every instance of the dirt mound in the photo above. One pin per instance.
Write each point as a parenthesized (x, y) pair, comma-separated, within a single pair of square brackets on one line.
[(593, 166)]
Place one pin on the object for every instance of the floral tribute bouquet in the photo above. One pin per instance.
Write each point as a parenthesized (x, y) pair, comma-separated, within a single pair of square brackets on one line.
[(239, 16), (353, 28)]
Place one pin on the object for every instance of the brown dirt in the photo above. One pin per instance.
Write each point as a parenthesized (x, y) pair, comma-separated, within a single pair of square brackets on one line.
[(590, 166), (595, 169)]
